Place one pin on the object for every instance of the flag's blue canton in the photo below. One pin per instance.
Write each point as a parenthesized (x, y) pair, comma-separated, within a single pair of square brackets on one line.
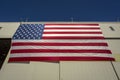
[(29, 31)]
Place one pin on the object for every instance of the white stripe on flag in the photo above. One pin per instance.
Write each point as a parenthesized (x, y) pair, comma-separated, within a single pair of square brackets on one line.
[(61, 47), (69, 30), (61, 41), (72, 35), (60, 55)]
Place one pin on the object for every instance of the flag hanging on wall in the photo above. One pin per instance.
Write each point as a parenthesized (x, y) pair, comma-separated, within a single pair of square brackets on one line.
[(59, 42)]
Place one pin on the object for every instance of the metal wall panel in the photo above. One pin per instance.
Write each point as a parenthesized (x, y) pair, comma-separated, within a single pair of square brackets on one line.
[(87, 71), (8, 29), (77, 70), (117, 68)]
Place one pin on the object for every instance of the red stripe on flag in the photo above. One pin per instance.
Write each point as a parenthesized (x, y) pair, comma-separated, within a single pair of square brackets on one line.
[(72, 24), (59, 51), (70, 28), (61, 58), (72, 32), (72, 37), (57, 44)]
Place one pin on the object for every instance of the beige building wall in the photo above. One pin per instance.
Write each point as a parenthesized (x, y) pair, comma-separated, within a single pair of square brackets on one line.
[(71, 70)]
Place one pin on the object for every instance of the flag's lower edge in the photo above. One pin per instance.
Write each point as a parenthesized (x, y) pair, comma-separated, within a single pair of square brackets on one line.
[(61, 59)]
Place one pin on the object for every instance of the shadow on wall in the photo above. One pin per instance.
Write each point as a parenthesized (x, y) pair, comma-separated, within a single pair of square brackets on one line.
[(4, 49)]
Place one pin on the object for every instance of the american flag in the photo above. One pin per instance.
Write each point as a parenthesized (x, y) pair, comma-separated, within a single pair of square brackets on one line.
[(59, 42)]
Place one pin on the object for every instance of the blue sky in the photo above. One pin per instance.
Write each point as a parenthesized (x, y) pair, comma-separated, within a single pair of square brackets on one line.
[(59, 10)]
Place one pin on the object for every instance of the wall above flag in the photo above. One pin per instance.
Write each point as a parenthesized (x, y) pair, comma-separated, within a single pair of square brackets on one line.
[(59, 42)]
